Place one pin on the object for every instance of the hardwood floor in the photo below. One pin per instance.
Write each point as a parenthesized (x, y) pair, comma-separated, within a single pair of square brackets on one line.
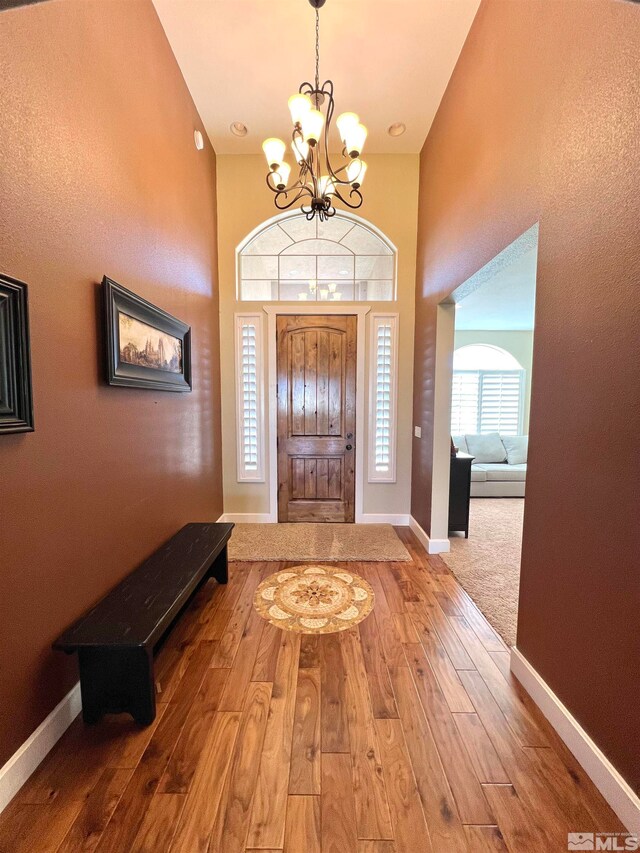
[(406, 734)]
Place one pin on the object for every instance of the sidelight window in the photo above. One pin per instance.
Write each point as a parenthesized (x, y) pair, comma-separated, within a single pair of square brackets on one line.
[(249, 397), (383, 398)]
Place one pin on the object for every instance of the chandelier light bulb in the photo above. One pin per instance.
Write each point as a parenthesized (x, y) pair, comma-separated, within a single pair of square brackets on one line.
[(281, 176), (302, 295), (355, 139), (356, 172), (326, 186), (332, 287), (274, 152), (299, 105), (312, 124), (324, 293), (345, 122), (300, 150)]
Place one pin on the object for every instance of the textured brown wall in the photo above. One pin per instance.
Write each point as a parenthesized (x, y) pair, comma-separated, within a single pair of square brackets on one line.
[(99, 174), (541, 120)]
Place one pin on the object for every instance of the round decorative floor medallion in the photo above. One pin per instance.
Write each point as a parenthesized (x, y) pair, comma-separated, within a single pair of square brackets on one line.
[(314, 599)]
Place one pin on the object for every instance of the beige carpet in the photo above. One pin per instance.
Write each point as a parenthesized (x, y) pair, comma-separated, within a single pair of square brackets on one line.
[(352, 542), (487, 564)]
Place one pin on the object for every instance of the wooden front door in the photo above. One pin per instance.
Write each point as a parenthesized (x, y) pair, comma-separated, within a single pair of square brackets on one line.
[(316, 417)]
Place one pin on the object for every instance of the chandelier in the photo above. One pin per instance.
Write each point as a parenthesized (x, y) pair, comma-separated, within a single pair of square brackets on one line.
[(318, 183)]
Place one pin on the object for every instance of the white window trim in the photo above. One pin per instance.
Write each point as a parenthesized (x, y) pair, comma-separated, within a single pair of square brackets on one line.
[(241, 320), (377, 320)]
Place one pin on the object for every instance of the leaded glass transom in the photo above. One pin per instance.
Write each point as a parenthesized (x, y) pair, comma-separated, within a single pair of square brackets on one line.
[(294, 260)]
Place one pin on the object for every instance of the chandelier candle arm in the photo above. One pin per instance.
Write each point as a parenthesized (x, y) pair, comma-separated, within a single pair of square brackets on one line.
[(318, 181)]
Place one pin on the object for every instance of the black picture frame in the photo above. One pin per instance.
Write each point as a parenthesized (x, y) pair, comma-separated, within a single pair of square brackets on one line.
[(16, 396), (118, 300)]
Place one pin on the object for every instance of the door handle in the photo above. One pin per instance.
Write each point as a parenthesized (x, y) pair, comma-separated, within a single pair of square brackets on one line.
[(349, 447)]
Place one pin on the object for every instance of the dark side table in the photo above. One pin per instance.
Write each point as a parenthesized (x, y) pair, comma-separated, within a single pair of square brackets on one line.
[(460, 492)]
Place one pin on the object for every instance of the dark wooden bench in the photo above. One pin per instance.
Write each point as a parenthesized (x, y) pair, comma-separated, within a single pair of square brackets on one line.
[(116, 639)]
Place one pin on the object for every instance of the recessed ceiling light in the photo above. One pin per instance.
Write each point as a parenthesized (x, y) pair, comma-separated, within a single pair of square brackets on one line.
[(293, 272), (396, 129), (238, 129), (344, 272)]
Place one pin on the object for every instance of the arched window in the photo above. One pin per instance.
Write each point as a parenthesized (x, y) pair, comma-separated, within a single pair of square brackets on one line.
[(289, 259), (488, 391)]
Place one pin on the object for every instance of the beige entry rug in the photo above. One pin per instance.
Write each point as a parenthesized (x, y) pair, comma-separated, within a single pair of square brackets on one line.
[(343, 542), (314, 599), (487, 564)]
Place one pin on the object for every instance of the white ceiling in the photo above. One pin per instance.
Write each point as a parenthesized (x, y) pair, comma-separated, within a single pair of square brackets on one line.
[(505, 301), (390, 61)]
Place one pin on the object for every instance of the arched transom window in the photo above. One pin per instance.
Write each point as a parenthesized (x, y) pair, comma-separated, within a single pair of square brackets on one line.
[(291, 259), (487, 391)]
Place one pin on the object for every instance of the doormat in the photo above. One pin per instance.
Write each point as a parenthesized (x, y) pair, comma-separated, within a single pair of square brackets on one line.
[(343, 542), (314, 599)]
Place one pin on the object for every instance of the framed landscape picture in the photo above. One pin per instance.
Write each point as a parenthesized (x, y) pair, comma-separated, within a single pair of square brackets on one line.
[(16, 402), (146, 347)]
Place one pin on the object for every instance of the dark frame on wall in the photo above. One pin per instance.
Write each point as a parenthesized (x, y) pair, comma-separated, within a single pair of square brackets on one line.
[(16, 398), (146, 367)]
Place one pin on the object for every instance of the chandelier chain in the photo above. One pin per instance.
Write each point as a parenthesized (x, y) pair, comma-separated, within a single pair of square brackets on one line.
[(317, 48)]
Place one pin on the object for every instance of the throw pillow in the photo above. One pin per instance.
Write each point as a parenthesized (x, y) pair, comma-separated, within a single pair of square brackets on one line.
[(461, 443), (516, 447), (486, 448)]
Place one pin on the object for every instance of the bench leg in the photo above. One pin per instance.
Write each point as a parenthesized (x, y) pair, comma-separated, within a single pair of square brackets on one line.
[(117, 680), (220, 568)]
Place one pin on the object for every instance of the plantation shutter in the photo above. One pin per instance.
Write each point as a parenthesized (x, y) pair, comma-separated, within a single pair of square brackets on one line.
[(501, 402), (484, 401), (248, 333), (464, 402), (383, 398)]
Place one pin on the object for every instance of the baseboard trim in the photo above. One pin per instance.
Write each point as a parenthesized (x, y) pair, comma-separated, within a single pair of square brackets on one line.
[(248, 517), (431, 546), (23, 762), (399, 519), (439, 546), (597, 766)]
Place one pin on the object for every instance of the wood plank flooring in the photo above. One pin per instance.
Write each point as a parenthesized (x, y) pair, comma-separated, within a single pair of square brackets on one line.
[(405, 734)]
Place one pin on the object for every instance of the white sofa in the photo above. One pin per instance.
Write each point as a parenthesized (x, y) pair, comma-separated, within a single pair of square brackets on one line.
[(499, 469)]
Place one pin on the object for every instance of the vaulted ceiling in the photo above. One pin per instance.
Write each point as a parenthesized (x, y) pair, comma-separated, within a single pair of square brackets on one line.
[(390, 61)]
